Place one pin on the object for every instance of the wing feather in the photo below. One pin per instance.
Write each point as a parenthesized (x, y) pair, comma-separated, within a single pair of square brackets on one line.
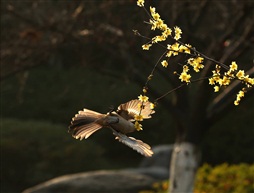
[(130, 109), (135, 144)]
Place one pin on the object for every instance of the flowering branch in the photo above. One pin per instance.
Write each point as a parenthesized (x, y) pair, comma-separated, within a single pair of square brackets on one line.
[(222, 75)]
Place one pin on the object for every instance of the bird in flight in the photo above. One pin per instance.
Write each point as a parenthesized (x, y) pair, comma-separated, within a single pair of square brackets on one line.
[(120, 121)]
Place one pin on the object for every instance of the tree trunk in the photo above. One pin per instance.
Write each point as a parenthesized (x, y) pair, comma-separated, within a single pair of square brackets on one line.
[(183, 167)]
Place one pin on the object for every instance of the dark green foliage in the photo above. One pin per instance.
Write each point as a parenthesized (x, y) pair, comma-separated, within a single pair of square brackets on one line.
[(35, 151)]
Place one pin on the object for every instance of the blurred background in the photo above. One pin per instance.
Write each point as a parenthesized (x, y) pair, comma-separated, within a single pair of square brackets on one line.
[(58, 57)]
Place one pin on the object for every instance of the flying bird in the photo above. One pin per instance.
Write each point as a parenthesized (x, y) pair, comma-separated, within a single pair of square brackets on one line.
[(120, 121)]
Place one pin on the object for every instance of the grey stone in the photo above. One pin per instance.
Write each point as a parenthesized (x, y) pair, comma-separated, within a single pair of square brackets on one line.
[(130, 180), (158, 173), (160, 158), (95, 182)]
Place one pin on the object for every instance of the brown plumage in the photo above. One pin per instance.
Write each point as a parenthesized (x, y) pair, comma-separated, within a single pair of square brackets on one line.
[(86, 122)]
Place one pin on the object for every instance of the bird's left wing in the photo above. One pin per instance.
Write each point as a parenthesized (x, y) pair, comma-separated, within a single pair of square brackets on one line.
[(135, 144), (135, 107)]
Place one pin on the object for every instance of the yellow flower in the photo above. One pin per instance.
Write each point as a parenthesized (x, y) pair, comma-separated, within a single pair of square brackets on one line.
[(184, 77), (196, 63), (217, 69), (143, 98), (225, 81), (178, 33), (164, 28), (233, 66), (152, 10), (161, 38), (138, 126), (159, 23), (216, 88), (175, 48), (158, 39), (211, 81), (152, 105), (187, 48), (156, 16), (169, 54), (249, 81), (138, 117), (217, 79), (168, 32), (239, 96), (164, 63), (140, 3), (146, 46), (240, 74), (185, 68), (230, 74), (236, 102), (182, 48), (177, 36), (199, 59), (153, 24)]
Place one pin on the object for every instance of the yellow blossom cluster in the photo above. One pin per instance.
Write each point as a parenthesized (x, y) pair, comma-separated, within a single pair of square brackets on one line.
[(178, 33), (152, 106), (138, 117), (143, 99), (184, 76), (176, 48), (239, 96), (138, 126), (146, 46), (157, 23), (219, 80), (164, 63), (196, 63), (141, 3)]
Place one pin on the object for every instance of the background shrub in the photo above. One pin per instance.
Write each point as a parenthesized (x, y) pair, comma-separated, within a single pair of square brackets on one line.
[(223, 178)]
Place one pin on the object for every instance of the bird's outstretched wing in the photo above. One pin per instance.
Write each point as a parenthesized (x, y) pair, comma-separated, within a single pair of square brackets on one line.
[(84, 124), (134, 107), (135, 144)]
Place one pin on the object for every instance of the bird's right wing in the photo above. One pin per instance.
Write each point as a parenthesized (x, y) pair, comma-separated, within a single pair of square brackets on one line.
[(135, 144), (135, 107)]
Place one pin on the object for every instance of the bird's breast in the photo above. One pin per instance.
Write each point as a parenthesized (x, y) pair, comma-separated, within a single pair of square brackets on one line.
[(123, 125)]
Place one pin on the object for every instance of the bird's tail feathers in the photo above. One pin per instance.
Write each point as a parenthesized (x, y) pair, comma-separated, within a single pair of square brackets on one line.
[(86, 115), (84, 124)]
